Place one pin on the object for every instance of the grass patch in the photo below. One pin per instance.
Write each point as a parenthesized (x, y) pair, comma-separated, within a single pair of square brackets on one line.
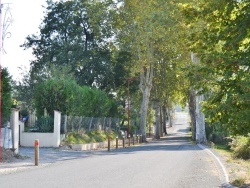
[(88, 137), (239, 182), (238, 169), (191, 140), (225, 148)]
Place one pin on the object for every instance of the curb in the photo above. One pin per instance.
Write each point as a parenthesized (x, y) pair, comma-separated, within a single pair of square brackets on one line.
[(225, 175)]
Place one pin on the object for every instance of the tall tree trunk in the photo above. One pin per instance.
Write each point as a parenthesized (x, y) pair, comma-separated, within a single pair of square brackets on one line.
[(200, 121), (164, 119), (170, 116), (192, 111), (200, 118), (157, 119), (161, 122), (145, 85)]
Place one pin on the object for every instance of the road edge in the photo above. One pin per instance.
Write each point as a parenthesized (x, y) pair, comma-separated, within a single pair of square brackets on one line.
[(225, 180)]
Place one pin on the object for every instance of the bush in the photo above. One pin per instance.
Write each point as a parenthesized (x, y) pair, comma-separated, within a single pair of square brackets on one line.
[(75, 138), (68, 97), (98, 136), (217, 134), (45, 124), (88, 137), (241, 147)]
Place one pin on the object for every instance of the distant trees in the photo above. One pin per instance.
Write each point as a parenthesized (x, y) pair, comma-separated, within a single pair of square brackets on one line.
[(103, 44), (77, 34), (150, 31), (6, 95), (75, 53)]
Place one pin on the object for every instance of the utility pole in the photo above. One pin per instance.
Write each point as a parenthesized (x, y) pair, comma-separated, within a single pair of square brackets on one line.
[(5, 21), (1, 82)]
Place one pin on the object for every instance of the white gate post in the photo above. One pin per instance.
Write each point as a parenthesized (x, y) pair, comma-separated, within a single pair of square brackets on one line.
[(57, 127), (14, 124)]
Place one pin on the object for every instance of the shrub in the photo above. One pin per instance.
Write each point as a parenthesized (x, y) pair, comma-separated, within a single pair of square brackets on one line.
[(98, 136), (75, 138), (68, 97), (241, 147), (45, 124), (88, 137)]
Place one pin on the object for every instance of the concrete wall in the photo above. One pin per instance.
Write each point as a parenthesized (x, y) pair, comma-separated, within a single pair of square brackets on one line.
[(27, 139)]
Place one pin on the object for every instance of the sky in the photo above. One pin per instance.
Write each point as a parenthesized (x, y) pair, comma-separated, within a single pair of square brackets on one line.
[(26, 17)]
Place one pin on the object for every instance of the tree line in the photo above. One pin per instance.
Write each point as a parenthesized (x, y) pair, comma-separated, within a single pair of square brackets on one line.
[(98, 55)]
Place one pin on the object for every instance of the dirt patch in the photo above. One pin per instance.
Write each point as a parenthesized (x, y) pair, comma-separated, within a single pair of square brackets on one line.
[(7, 155)]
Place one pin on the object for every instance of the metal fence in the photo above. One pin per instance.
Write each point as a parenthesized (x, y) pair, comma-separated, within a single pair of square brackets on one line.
[(77, 124)]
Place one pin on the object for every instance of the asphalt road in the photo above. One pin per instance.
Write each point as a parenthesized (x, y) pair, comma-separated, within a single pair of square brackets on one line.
[(170, 162)]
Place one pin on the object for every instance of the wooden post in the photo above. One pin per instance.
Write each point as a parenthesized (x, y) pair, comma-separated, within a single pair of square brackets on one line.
[(129, 140), (108, 143), (123, 142), (36, 152), (117, 142)]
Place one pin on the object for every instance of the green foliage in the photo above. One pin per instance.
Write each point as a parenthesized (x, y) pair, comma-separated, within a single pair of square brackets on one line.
[(24, 112), (150, 31), (150, 118), (75, 33), (239, 182), (23, 90), (89, 137), (217, 134), (134, 129), (6, 95), (75, 138), (241, 147), (54, 95), (68, 97), (45, 124), (219, 37)]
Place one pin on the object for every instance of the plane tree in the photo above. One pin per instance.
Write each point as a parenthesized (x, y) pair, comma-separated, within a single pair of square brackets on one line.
[(150, 32), (220, 37)]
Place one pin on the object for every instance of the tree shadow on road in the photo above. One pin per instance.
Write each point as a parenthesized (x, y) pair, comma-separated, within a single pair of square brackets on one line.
[(173, 142)]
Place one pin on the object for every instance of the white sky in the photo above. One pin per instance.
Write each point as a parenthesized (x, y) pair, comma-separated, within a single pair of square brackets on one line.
[(27, 16)]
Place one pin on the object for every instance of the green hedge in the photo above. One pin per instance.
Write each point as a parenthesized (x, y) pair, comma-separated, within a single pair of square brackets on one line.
[(69, 98)]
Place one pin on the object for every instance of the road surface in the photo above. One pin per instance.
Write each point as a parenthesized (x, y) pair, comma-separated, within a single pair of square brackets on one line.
[(170, 162)]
